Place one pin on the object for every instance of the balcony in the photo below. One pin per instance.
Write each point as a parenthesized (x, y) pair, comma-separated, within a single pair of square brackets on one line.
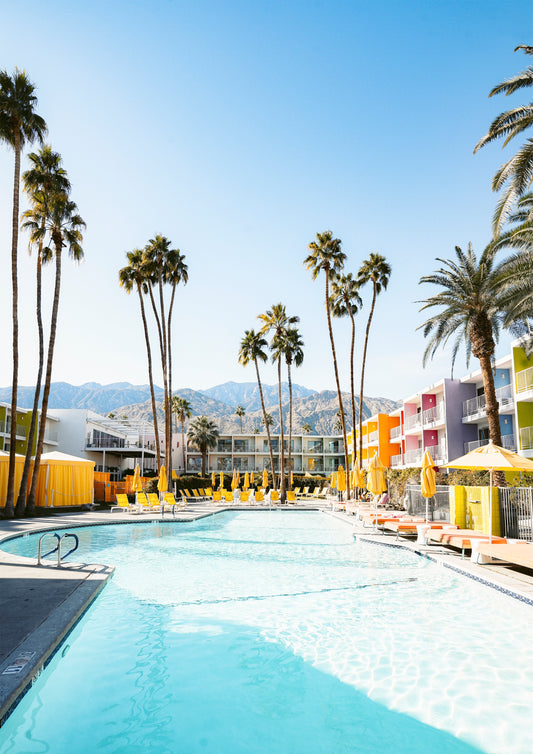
[(395, 432), (413, 422), (396, 461), (475, 407), (433, 415), (413, 457), (373, 438), (526, 437), (524, 380), (508, 442), (438, 453)]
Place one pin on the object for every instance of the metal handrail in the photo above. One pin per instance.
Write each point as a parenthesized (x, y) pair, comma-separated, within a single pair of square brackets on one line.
[(57, 548)]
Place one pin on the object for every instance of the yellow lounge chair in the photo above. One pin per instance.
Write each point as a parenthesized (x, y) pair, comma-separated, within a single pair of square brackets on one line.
[(274, 496), (217, 497), (297, 490), (304, 492), (245, 496), (259, 496), (153, 500), (171, 502), (291, 497), (123, 504), (229, 496), (142, 501)]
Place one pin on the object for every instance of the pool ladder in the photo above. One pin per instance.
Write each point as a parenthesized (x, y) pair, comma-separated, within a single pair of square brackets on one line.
[(57, 548)]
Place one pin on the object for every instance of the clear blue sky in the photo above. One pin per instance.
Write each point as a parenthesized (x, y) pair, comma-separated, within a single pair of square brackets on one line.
[(239, 130)]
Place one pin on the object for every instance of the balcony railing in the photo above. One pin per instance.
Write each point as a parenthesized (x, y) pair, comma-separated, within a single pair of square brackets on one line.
[(396, 460), (477, 405), (438, 453), (508, 442), (526, 438), (524, 380), (395, 432), (413, 421), (433, 414), (373, 437), (413, 456)]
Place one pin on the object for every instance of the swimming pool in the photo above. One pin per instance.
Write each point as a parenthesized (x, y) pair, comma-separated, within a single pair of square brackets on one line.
[(276, 632)]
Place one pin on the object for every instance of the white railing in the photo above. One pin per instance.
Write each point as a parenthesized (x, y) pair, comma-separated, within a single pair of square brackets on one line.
[(477, 405), (508, 442), (524, 380), (433, 414), (526, 438), (413, 456), (468, 446), (396, 460), (373, 437), (415, 420), (438, 453), (395, 432)]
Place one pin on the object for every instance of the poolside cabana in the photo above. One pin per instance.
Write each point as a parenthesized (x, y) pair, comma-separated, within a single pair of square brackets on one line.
[(64, 480), (4, 473)]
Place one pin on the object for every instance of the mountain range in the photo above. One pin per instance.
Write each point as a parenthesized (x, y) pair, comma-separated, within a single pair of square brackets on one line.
[(318, 409)]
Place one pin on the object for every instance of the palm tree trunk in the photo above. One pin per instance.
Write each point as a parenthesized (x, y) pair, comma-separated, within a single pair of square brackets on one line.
[(164, 360), (10, 497), (183, 446), (48, 377), (341, 409), (282, 449), (266, 424), (290, 422), (150, 379), (169, 353), (352, 387), (162, 354), (21, 502), (491, 406), (363, 361)]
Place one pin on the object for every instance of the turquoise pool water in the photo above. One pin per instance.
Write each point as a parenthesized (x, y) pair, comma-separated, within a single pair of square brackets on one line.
[(276, 632)]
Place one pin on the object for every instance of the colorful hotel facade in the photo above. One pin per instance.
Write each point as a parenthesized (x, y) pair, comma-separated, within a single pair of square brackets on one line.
[(449, 418)]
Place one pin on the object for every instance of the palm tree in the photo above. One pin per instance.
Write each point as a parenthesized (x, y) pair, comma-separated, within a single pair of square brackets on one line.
[(240, 412), (515, 176), (62, 228), (134, 275), (376, 270), (469, 311), (182, 409), (307, 428), (45, 175), (19, 125), (203, 433), (327, 256), (346, 301), (289, 344), (176, 271), (252, 348), (276, 321)]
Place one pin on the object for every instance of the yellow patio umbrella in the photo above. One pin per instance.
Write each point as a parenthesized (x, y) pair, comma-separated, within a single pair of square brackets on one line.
[(252, 478), (291, 482), (376, 481), (333, 481), (491, 458), (238, 479), (427, 479), (358, 477), (265, 478), (234, 482), (213, 480), (341, 479), (137, 485), (221, 480), (246, 481), (162, 483)]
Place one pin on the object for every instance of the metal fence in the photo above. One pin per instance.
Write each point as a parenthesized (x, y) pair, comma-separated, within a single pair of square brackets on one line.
[(516, 512), (438, 506)]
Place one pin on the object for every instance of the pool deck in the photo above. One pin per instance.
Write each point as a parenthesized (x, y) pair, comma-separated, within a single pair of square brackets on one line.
[(39, 605)]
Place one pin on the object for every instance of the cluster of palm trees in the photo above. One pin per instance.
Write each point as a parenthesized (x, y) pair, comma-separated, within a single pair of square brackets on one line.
[(479, 296), (286, 346), (342, 299), (53, 224), (148, 271)]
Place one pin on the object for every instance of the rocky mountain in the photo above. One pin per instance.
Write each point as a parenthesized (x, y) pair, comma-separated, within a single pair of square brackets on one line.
[(246, 394)]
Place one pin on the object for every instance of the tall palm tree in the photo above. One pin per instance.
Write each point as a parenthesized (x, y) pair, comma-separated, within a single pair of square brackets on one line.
[(470, 311), (252, 348), (48, 176), (326, 256), (346, 301), (130, 277), (62, 228), (19, 125), (240, 412), (183, 411), (203, 433), (176, 271), (289, 345), (376, 270), (516, 175), (276, 321)]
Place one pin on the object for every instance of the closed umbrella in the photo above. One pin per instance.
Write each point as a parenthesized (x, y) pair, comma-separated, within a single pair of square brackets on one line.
[(359, 477), (246, 481), (234, 482), (213, 480), (333, 481), (341, 479), (265, 478), (137, 485), (238, 479), (252, 482), (376, 482), (491, 458), (427, 478), (221, 480), (162, 483)]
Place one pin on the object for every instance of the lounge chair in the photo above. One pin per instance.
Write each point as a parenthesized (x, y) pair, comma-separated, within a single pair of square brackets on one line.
[(259, 496), (245, 496), (297, 490), (516, 553), (274, 496), (142, 501), (186, 494), (409, 528), (153, 501), (170, 502), (304, 492), (229, 496), (460, 538), (291, 496), (217, 495), (123, 504)]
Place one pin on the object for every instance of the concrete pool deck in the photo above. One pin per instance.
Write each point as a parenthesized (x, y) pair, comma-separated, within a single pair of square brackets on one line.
[(39, 605)]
